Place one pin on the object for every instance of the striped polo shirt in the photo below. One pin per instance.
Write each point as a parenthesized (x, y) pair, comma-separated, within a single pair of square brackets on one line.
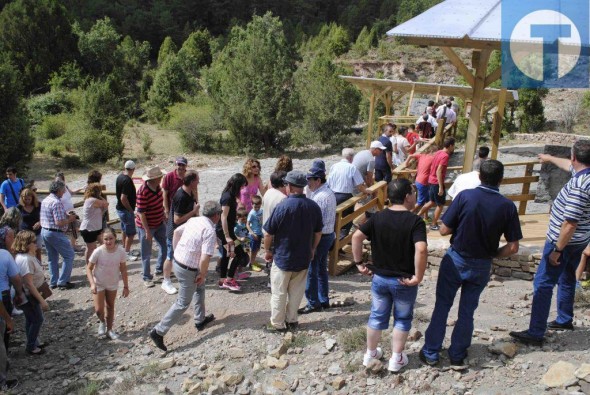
[(573, 204), (151, 203)]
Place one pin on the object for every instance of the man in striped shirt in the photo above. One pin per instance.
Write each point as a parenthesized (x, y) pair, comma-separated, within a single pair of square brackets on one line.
[(151, 222), (194, 245), (568, 235)]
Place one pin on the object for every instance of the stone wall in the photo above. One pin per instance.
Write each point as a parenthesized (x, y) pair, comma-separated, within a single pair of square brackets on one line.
[(520, 266), (552, 138)]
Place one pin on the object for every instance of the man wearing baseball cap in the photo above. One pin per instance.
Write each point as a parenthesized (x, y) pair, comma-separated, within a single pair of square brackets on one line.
[(172, 181), (364, 161), (126, 197), (296, 226)]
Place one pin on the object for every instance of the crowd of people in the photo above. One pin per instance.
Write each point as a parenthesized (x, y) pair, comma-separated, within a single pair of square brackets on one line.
[(291, 216)]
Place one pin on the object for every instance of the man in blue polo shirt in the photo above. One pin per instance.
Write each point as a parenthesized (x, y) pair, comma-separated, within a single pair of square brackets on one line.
[(296, 226), (10, 189), (567, 236), (477, 219)]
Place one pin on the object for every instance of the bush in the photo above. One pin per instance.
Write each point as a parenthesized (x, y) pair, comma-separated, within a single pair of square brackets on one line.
[(96, 146), (50, 103), (54, 148), (71, 161), (53, 126), (195, 124)]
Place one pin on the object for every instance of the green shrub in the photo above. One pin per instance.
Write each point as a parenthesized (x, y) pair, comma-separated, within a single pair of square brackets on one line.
[(71, 161), (54, 148), (96, 146), (195, 124), (53, 126), (50, 103)]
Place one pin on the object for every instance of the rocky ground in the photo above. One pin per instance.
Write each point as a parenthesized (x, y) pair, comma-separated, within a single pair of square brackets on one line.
[(235, 355)]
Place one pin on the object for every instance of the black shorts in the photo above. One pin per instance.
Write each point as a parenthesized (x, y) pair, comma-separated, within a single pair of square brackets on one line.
[(90, 236), (435, 197)]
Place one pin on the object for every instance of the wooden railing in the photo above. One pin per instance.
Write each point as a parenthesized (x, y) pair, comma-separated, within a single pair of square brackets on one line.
[(378, 200), (41, 192), (526, 180)]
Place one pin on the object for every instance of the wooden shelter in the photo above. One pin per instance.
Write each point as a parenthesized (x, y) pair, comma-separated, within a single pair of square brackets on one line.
[(469, 24), (391, 92)]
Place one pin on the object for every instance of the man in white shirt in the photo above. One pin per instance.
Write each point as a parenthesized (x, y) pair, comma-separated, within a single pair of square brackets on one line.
[(465, 181), (344, 177), (400, 146), (446, 111), (194, 245)]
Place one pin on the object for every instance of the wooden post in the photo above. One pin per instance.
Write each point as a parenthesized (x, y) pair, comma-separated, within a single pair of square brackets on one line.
[(387, 102), (497, 126), (371, 120), (440, 131), (526, 187), (437, 94), (411, 98), (481, 64)]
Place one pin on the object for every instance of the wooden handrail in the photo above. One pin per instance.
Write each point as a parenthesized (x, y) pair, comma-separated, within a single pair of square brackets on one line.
[(378, 200)]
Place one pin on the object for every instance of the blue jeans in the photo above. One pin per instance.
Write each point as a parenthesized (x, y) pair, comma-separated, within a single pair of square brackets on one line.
[(547, 276), (169, 250), (56, 244), (472, 276), (316, 289), (159, 235), (127, 222), (388, 293), (33, 321)]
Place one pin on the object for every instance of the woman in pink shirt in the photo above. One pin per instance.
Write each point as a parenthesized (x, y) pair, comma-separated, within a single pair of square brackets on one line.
[(107, 264), (252, 173)]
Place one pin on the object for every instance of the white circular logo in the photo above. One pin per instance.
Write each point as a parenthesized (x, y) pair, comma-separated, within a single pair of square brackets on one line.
[(527, 51)]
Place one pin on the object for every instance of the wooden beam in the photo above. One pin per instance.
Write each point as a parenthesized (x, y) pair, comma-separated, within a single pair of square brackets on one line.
[(497, 126), (411, 98), (451, 42), (475, 115), (437, 94), (458, 63), (398, 98), (493, 76), (371, 119)]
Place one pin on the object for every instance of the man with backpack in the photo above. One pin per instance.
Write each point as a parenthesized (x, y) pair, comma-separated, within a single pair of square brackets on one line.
[(10, 189)]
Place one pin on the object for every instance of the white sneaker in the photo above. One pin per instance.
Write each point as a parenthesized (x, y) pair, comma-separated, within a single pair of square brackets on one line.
[(131, 257), (113, 335), (168, 287), (16, 311), (397, 362), (368, 358), (102, 329)]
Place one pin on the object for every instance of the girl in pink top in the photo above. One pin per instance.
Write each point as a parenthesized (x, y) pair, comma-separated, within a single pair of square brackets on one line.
[(106, 265), (252, 173)]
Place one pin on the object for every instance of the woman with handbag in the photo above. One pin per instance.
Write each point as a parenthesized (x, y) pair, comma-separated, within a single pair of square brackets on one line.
[(92, 224), (25, 246)]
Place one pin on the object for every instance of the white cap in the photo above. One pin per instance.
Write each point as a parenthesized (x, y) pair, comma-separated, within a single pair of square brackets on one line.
[(130, 165), (378, 144)]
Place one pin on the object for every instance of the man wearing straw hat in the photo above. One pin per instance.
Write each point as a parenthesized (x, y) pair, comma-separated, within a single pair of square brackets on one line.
[(151, 222)]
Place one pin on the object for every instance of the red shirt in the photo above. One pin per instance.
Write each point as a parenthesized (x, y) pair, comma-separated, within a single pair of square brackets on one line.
[(441, 158), (423, 168), (412, 137), (171, 183), (151, 204)]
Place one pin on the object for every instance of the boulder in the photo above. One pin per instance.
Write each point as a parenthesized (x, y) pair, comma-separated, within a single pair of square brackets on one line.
[(504, 348), (583, 372), (338, 383), (560, 375)]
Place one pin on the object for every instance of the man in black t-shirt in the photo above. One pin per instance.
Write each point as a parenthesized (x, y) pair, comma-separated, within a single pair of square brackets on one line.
[(182, 207), (126, 197), (399, 253)]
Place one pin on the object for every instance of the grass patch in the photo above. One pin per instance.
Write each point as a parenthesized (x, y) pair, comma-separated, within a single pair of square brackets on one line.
[(300, 340), (352, 340), (91, 388), (151, 370)]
